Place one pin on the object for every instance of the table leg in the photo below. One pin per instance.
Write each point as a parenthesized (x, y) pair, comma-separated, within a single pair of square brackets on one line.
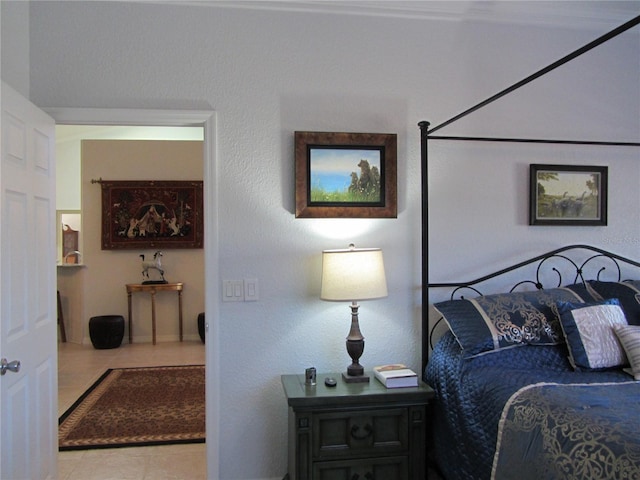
[(180, 311), (153, 315), (129, 305), (63, 333)]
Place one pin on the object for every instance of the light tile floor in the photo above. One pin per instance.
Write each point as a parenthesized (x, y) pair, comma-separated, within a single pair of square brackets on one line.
[(81, 365)]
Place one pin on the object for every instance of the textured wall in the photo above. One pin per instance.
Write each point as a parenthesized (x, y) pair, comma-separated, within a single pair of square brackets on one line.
[(269, 73), (14, 57)]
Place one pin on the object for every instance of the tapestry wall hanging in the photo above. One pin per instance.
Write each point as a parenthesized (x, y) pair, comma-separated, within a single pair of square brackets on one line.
[(151, 214)]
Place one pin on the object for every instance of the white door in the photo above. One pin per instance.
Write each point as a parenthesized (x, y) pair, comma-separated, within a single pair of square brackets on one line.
[(28, 322)]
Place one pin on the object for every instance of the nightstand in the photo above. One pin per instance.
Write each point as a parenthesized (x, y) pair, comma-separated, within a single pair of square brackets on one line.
[(356, 430)]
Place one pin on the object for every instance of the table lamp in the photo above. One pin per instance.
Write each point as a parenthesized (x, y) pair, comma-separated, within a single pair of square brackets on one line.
[(353, 274)]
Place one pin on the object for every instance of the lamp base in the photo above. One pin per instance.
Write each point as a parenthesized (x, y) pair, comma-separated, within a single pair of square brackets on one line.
[(355, 378)]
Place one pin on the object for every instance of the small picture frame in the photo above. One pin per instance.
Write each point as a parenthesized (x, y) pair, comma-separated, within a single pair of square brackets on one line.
[(567, 195), (346, 175)]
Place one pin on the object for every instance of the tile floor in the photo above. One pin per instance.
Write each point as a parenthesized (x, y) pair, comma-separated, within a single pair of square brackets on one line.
[(81, 365)]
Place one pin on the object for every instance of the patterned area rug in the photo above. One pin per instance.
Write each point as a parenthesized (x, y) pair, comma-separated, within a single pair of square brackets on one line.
[(137, 406)]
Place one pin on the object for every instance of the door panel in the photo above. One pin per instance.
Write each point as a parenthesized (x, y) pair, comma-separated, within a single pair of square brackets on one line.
[(28, 322)]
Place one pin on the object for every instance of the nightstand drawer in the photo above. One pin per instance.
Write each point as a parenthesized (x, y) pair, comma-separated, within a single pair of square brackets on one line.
[(385, 468), (360, 433)]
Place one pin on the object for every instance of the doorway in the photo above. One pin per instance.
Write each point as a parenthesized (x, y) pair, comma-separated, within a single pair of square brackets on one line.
[(86, 157), (206, 121)]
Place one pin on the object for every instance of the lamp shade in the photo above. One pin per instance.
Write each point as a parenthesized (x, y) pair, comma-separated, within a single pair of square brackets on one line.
[(353, 274)]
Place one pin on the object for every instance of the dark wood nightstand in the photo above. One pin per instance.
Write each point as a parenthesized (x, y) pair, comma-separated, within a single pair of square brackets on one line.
[(356, 431)]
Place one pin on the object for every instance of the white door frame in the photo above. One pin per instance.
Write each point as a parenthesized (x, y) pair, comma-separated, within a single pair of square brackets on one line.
[(182, 118)]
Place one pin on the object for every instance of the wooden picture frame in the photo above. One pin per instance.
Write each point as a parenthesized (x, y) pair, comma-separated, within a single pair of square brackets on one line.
[(346, 175), (152, 214), (567, 195)]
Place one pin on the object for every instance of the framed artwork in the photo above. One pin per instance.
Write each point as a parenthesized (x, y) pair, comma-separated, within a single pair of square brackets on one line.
[(151, 214), (346, 175), (567, 195), (69, 236)]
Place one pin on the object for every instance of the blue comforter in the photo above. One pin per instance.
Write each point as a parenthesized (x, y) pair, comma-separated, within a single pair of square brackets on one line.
[(471, 395), (570, 431)]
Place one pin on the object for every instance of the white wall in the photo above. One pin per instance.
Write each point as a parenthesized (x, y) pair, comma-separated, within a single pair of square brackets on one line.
[(269, 73), (14, 45)]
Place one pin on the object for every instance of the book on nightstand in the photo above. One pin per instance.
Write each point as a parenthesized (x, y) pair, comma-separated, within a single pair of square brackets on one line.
[(396, 375)]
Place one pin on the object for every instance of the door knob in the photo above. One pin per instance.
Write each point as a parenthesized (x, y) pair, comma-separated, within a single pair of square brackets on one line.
[(13, 366)]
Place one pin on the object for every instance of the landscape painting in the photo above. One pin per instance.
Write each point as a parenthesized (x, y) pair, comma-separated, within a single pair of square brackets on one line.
[(346, 175), (568, 195)]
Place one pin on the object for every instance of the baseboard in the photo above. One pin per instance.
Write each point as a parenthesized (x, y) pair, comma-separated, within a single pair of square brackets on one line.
[(148, 339)]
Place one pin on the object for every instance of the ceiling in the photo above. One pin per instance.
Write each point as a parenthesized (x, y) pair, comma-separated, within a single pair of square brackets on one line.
[(565, 13)]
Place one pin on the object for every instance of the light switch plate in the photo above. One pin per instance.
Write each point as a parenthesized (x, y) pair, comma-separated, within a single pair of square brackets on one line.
[(232, 291), (251, 290)]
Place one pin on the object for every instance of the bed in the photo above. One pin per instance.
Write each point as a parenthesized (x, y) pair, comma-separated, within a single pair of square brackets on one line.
[(524, 387), (531, 382)]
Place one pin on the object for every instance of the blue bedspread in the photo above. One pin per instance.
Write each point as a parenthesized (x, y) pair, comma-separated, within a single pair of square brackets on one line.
[(472, 393), (570, 431)]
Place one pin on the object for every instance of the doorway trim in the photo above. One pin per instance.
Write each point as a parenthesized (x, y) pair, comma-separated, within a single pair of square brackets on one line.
[(182, 118)]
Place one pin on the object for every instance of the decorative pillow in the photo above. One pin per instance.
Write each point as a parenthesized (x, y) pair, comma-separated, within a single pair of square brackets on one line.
[(492, 322), (588, 329), (627, 292), (629, 336)]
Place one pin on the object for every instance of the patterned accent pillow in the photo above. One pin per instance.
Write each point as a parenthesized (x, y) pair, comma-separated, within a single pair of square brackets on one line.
[(627, 292), (629, 336), (493, 322), (588, 329)]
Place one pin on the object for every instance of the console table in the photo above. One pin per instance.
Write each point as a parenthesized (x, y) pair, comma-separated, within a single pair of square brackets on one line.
[(152, 289)]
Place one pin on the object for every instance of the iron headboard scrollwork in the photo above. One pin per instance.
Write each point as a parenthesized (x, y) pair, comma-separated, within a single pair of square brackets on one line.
[(553, 269)]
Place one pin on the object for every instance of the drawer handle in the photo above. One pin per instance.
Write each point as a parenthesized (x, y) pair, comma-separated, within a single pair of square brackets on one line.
[(367, 476), (355, 432)]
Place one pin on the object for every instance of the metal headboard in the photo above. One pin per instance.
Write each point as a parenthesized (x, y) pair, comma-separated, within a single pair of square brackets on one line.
[(552, 269)]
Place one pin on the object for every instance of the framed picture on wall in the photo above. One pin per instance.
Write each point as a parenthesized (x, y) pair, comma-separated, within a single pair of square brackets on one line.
[(151, 214), (346, 175), (567, 195)]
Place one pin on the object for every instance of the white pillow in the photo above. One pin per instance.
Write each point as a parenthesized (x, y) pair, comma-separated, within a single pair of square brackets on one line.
[(588, 330), (629, 336)]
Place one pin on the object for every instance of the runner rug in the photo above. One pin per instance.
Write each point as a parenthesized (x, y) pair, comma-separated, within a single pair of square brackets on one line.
[(129, 407)]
